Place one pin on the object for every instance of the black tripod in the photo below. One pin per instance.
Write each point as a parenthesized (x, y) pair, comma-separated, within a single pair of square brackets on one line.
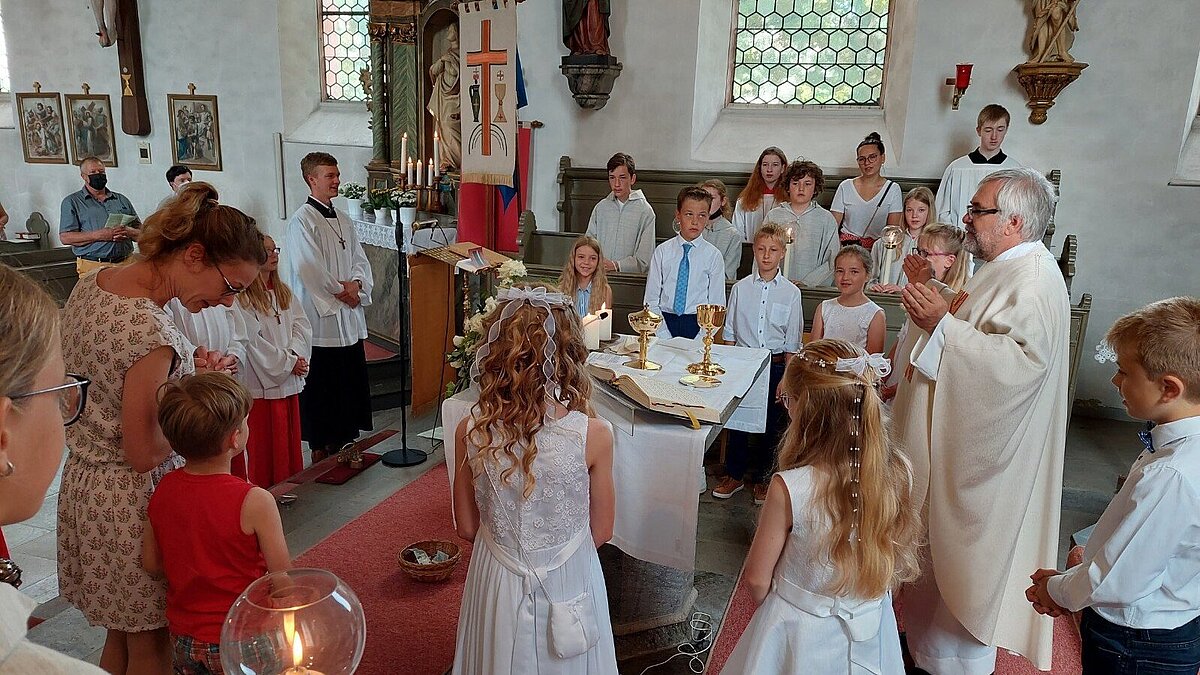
[(404, 455)]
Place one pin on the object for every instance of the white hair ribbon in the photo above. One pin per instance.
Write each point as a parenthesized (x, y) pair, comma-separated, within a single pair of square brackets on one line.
[(512, 299), (859, 364)]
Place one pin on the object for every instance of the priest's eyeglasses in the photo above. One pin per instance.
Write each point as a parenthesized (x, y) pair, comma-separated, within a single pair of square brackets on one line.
[(975, 212), (72, 397), (230, 289)]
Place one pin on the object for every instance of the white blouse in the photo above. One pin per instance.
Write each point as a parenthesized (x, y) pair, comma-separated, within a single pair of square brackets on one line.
[(867, 217), (276, 340)]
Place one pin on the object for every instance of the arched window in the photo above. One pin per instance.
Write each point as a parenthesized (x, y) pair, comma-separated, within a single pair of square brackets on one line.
[(809, 52), (345, 49)]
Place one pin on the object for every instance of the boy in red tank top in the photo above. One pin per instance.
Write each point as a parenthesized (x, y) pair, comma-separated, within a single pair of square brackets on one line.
[(211, 534)]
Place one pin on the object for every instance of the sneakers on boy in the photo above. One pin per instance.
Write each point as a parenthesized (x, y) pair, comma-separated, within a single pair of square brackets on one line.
[(727, 487), (760, 493)]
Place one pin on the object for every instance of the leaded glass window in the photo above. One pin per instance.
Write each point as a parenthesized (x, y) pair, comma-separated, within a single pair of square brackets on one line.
[(809, 52), (345, 49)]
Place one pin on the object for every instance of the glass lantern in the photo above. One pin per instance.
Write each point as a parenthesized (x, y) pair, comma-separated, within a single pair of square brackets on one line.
[(296, 622)]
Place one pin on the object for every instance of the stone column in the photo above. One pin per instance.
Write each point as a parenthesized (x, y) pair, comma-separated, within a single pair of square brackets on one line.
[(379, 94)]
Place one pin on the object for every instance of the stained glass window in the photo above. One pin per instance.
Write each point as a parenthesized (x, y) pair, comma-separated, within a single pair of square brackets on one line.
[(809, 52), (345, 48)]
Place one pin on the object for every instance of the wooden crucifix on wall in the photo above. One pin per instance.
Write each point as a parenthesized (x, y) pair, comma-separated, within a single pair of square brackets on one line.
[(117, 21)]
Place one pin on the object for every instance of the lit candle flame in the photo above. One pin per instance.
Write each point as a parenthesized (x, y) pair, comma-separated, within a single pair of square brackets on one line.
[(297, 651)]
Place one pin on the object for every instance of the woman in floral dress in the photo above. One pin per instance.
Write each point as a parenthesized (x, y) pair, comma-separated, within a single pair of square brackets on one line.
[(116, 332)]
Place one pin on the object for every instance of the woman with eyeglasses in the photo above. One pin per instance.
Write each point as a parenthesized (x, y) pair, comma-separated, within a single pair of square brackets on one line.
[(202, 254), (862, 206), (37, 397)]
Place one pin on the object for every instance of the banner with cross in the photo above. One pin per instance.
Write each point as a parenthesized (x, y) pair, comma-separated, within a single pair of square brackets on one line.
[(488, 32)]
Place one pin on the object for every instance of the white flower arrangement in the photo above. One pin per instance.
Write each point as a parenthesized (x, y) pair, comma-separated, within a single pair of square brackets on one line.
[(465, 345)]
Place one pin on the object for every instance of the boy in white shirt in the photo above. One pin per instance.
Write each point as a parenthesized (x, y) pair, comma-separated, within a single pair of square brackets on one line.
[(685, 271), (764, 313), (963, 175), (1137, 585), (623, 221)]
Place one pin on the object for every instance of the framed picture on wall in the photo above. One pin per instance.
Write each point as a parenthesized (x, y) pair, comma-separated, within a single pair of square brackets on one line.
[(40, 116), (195, 131), (90, 126)]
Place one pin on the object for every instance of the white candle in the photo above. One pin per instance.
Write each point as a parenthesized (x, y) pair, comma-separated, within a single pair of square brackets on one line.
[(605, 315), (432, 173), (412, 172), (437, 151), (787, 256), (591, 332), (885, 276), (420, 174), (404, 148)]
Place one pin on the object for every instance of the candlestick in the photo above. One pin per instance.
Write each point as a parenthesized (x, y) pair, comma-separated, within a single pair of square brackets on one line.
[(437, 150), (420, 175), (605, 316), (408, 168), (787, 256), (404, 148), (433, 172), (591, 332)]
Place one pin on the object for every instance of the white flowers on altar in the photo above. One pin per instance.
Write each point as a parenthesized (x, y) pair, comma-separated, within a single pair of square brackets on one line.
[(463, 355)]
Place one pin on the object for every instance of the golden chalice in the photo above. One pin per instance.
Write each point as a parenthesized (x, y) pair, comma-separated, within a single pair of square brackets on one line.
[(645, 323), (710, 318)]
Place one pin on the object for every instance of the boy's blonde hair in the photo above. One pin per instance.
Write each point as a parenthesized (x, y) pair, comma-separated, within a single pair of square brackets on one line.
[(992, 112), (875, 537), (198, 412), (1165, 338), (771, 230)]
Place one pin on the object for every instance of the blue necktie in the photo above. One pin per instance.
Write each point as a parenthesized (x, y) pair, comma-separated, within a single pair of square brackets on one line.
[(1146, 438), (681, 281)]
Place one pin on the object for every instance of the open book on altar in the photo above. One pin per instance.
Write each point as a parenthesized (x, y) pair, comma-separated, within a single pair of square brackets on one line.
[(653, 394)]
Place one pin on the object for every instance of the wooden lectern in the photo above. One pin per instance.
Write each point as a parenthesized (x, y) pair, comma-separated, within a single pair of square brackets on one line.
[(435, 318)]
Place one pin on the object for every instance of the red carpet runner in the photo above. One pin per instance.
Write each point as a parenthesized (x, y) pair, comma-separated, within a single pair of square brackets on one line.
[(410, 625), (741, 609)]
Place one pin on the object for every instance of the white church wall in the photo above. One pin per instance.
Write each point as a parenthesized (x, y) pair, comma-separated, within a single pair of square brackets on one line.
[(1115, 133), (230, 48)]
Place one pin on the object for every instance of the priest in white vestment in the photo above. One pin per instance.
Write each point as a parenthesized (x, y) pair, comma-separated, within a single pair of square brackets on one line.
[(332, 279), (982, 413)]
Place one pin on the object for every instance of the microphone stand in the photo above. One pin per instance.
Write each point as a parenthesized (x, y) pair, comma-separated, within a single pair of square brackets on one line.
[(404, 455)]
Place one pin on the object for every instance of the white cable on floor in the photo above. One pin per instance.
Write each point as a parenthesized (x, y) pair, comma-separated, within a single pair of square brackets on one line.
[(694, 648)]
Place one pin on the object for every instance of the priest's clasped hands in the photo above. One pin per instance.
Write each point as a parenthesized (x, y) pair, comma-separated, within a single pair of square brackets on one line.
[(925, 306), (349, 294)]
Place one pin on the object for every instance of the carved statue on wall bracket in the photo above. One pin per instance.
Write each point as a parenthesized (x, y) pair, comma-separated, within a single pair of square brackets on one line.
[(590, 69), (1050, 67)]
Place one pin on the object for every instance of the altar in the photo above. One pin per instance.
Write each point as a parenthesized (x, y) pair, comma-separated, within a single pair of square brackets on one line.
[(658, 474)]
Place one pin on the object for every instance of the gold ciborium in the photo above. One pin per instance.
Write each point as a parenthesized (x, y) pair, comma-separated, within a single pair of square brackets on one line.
[(645, 323), (710, 318)]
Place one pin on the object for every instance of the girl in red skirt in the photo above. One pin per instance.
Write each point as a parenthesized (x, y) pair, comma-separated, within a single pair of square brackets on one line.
[(277, 353)]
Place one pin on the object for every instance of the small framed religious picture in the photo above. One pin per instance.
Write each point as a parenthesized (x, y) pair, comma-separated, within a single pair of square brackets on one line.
[(195, 130), (90, 127), (40, 116)]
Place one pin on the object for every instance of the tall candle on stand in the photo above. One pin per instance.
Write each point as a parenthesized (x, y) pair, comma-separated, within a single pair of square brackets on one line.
[(404, 148), (432, 173), (605, 318), (591, 332), (787, 256), (420, 174), (412, 172), (437, 151)]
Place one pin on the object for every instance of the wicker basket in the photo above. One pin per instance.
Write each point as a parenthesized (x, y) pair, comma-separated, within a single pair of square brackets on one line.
[(436, 571)]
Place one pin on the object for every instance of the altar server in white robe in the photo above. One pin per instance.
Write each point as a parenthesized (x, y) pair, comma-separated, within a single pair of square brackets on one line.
[(329, 272), (982, 412), (218, 329), (963, 175)]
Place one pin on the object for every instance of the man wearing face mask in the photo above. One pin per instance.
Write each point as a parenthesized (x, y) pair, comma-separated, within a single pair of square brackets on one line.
[(83, 221)]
